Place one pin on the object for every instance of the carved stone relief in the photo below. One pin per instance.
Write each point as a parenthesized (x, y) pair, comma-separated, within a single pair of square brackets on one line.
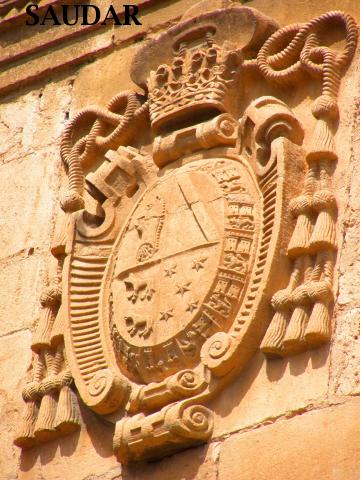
[(214, 239)]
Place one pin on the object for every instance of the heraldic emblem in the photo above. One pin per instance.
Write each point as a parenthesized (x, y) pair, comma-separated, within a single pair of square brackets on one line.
[(199, 227)]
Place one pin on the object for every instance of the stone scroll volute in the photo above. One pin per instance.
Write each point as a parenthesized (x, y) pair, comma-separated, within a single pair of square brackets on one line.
[(180, 257)]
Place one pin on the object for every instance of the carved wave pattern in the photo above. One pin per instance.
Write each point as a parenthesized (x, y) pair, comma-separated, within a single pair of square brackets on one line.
[(268, 186), (86, 276)]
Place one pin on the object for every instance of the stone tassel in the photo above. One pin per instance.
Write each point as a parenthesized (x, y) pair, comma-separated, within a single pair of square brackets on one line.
[(271, 344), (323, 152), (299, 243), (67, 415), (26, 437), (281, 302), (45, 424), (50, 301), (57, 332), (322, 145), (43, 331), (44, 428), (294, 340), (301, 209), (318, 330), (324, 233)]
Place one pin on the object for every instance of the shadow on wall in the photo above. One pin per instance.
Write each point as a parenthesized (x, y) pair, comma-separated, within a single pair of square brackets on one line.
[(182, 466), (99, 433), (94, 430), (273, 376), (297, 364)]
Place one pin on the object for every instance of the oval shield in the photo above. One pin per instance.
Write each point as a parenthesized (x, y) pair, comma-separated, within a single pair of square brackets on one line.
[(180, 266)]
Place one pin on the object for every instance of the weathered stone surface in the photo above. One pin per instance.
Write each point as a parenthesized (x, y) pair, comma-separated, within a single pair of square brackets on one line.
[(152, 20), (34, 120), (30, 191), (269, 390), (345, 372), (287, 11), (15, 360), (41, 54), (322, 444), (16, 122), (21, 280), (198, 463), (102, 79), (91, 446), (349, 256)]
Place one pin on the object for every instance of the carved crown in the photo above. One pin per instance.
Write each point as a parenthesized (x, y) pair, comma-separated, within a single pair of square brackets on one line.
[(195, 66), (198, 80)]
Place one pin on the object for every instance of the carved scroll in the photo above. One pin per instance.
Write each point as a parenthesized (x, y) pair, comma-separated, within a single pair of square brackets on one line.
[(171, 429)]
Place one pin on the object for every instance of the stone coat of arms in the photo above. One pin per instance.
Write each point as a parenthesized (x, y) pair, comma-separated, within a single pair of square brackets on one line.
[(198, 229)]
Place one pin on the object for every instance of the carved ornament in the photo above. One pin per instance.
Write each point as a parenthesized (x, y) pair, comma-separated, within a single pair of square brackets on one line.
[(198, 229)]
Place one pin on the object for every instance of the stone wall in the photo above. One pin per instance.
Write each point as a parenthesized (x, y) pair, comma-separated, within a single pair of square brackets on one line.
[(295, 418)]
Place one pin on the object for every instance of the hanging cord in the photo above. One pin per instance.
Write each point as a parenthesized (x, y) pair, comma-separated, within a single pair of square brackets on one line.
[(84, 151), (283, 59)]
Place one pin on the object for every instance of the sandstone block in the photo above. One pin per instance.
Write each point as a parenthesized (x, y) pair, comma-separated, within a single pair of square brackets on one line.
[(21, 282), (98, 82), (345, 354), (322, 444), (15, 359), (198, 463), (267, 390), (17, 119), (28, 201), (287, 11), (84, 455)]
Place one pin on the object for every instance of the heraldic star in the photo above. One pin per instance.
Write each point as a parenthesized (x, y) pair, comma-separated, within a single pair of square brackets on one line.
[(169, 272), (166, 315), (192, 306), (181, 289), (199, 263)]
